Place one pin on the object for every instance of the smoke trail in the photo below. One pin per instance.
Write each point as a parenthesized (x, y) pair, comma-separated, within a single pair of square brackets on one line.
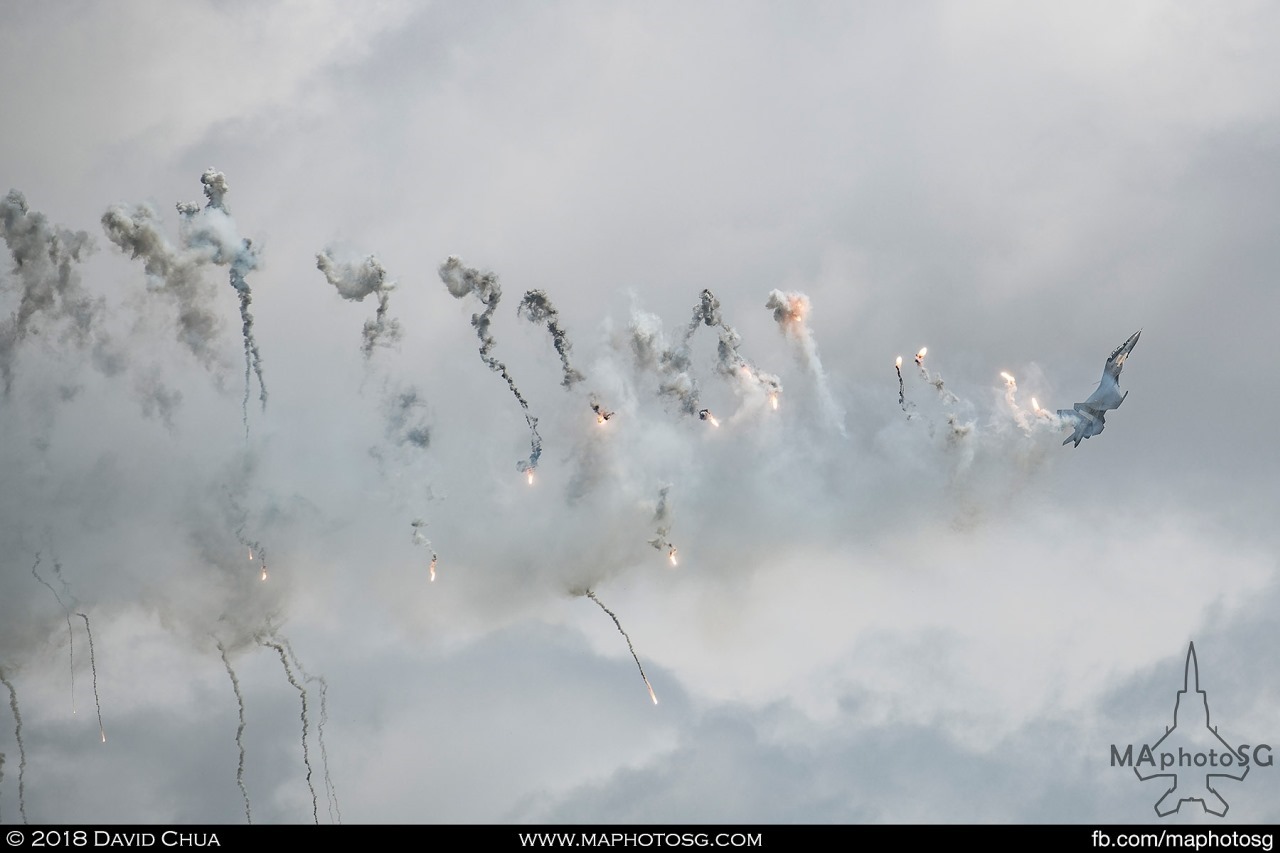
[(1011, 399), (330, 792), (419, 539), (71, 638), (790, 311), (93, 666), (730, 362), (462, 280), (213, 226), (537, 308), (650, 350), (662, 520), (902, 391), (354, 283), (705, 313), (733, 366), (935, 379), (43, 259), (208, 236), (256, 551), (235, 685), (302, 694), (591, 595), (22, 749)]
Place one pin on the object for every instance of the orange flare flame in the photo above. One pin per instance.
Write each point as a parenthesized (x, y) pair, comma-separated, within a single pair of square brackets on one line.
[(671, 555), (652, 695)]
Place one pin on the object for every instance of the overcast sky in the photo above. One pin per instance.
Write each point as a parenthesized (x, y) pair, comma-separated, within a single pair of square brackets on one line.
[(926, 611)]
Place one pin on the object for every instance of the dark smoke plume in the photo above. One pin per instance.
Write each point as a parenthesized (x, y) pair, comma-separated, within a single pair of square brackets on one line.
[(356, 281)]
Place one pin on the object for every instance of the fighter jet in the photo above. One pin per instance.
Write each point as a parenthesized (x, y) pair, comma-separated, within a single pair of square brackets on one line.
[(1089, 417)]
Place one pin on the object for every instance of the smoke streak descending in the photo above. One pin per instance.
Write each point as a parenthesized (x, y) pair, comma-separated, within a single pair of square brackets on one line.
[(219, 231), (22, 749), (43, 259), (902, 392), (591, 595), (729, 361), (934, 379), (462, 280), (790, 311), (537, 308), (302, 695), (330, 792), (662, 520), (235, 686), (650, 351), (419, 539), (66, 612), (355, 282), (93, 666), (1011, 399), (208, 235)]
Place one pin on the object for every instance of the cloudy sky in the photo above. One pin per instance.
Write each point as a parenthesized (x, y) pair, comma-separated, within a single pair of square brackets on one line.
[(937, 614)]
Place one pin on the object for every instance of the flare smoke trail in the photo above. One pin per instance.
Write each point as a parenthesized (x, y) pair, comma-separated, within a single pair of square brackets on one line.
[(66, 612), (419, 539), (256, 551), (235, 685), (902, 391), (43, 259), (650, 350), (462, 280), (219, 232), (662, 519), (22, 749), (591, 595), (790, 311), (730, 362), (330, 792), (935, 379), (355, 282), (302, 694), (1011, 398), (537, 309), (208, 235), (93, 666)]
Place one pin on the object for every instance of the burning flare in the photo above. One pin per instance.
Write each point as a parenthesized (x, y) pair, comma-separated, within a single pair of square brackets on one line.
[(920, 356), (671, 555)]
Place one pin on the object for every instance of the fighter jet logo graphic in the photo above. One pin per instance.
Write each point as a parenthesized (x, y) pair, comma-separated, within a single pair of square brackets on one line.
[(1194, 749)]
